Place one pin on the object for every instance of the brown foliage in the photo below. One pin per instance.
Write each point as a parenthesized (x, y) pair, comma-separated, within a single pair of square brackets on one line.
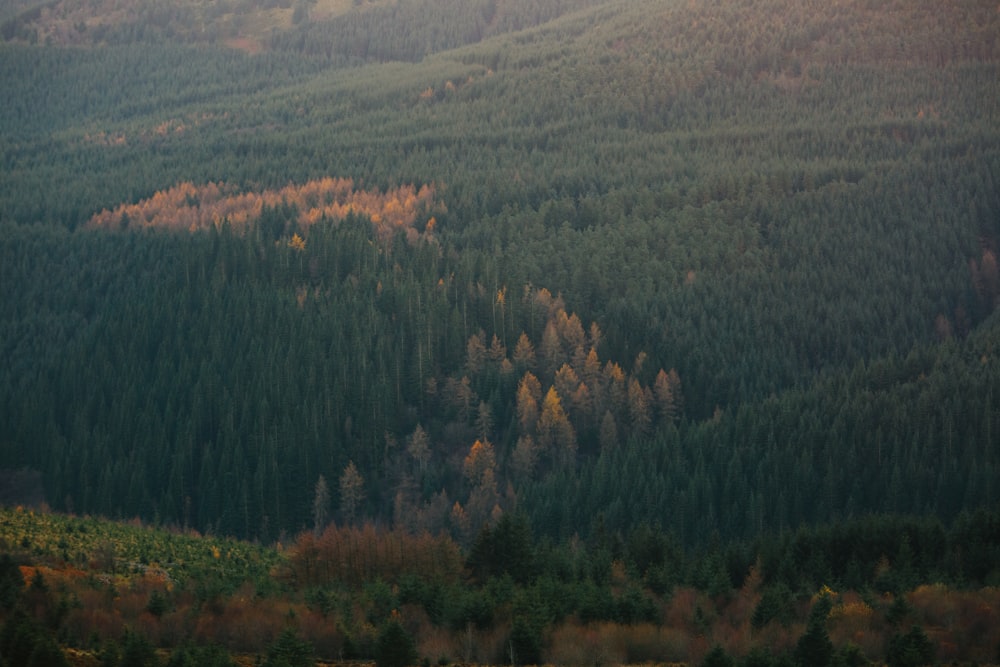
[(358, 554), (965, 625)]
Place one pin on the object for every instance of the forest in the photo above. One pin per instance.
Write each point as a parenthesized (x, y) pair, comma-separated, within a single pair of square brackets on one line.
[(677, 306)]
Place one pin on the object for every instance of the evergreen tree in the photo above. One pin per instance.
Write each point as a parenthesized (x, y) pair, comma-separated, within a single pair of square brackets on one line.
[(200, 656), (814, 648), (394, 646), (288, 650), (718, 657), (137, 651), (914, 649), (11, 582)]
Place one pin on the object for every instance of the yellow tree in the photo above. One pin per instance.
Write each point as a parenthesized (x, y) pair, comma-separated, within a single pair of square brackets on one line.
[(571, 331), (529, 391), (555, 433), (553, 355), (479, 468), (594, 381), (480, 460), (524, 353), (614, 380), (566, 380), (498, 351)]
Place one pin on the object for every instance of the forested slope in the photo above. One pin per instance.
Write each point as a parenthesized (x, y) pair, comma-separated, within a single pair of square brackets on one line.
[(722, 269)]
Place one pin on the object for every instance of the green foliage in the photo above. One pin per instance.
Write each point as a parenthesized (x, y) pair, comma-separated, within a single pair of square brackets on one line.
[(394, 646), (776, 604), (11, 582), (803, 226), (23, 641), (110, 653), (758, 657), (504, 549), (849, 655), (910, 650), (814, 648), (188, 560), (898, 610), (288, 650), (525, 642), (718, 657), (158, 604), (137, 651), (200, 656)]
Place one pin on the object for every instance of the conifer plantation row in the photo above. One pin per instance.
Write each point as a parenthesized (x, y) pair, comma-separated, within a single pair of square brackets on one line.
[(602, 303)]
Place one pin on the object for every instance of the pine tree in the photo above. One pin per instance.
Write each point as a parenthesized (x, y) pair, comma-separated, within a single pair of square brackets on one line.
[(288, 650), (394, 646)]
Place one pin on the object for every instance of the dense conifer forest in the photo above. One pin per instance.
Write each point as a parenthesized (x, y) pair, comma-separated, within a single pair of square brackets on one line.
[(643, 323)]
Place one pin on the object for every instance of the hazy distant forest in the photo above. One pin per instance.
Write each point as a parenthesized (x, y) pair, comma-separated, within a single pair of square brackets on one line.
[(639, 316)]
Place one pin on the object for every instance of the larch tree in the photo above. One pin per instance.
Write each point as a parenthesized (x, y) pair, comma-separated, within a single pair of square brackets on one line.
[(553, 355), (475, 353), (595, 335), (614, 379), (664, 393), (484, 420), (497, 351), (529, 392), (524, 457), (524, 354), (352, 492), (480, 459), (321, 505), (566, 380), (555, 434)]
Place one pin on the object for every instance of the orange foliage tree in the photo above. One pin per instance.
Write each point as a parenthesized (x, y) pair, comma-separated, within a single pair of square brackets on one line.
[(190, 207)]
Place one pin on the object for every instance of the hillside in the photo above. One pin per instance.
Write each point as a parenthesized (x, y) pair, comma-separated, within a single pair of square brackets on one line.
[(726, 269), (359, 29), (98, 592), (541, 330)]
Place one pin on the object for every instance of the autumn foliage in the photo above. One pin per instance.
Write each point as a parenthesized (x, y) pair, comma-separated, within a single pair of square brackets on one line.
[(191, 207), (357, 554)]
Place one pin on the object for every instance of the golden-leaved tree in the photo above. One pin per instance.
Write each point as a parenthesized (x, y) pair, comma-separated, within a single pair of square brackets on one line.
[(556, 435)]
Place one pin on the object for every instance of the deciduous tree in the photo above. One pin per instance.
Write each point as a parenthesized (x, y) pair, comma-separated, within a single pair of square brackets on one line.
[(352, 492)]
